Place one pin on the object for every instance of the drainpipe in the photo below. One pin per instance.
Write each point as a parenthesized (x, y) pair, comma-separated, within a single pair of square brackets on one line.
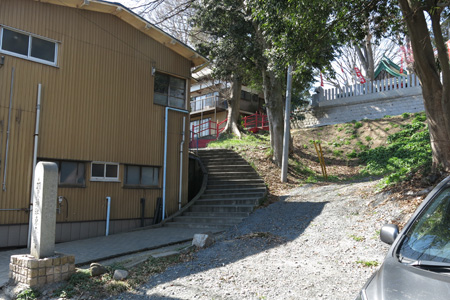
[(181, 162), (165, 155), (108, 213), (36, 139), (9, 128)]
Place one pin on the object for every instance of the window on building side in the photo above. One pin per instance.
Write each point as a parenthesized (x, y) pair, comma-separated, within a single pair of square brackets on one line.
[(70, 173), (141, 176), (101, 171), (28, 46), (170, 91)]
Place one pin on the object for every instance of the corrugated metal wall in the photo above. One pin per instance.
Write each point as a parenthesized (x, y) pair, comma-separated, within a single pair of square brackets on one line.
[(97, 105)]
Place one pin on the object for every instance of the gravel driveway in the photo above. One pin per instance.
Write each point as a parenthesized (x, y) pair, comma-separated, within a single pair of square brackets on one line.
[(314, 244)]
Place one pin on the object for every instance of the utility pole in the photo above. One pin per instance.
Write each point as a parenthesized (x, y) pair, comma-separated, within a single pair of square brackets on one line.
[(287, 126)]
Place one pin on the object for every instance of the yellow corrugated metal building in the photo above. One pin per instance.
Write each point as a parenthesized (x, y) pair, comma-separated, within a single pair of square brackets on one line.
[(105, 78)]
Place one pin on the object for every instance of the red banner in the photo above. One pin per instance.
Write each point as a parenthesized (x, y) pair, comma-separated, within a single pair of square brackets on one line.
[(401, 66), (321, 80), (360, 76), (448, 48)]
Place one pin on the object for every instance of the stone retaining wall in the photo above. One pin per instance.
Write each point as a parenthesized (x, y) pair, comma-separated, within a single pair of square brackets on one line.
[(370, 106)]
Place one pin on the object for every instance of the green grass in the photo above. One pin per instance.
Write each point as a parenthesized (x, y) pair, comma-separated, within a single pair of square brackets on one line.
[(229, 141), (407, 152), (102, 286), (369, 263), (28, 294), (357, 238)]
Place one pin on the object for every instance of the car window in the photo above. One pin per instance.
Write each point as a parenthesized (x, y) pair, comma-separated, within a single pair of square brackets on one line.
[(428, 239)]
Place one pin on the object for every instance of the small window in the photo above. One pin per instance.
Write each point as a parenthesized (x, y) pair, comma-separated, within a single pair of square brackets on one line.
[(170, 91), (28, 46), (101, 171), (141, 176), (70, 173)]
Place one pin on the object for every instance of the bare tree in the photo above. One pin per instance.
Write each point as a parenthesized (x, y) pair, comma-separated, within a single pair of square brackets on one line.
[(365, 58), (171, 16)]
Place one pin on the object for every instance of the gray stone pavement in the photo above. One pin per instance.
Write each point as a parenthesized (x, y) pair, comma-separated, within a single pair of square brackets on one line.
[(101, 248)]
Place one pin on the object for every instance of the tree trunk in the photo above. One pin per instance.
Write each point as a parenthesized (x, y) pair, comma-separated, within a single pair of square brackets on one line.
[(366, 58), (435, 95), (233, 102), (273, 97)]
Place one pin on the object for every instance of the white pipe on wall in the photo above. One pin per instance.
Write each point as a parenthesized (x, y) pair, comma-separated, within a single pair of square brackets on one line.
[(165, 155), (108, 213), (9, 128), (36, 139), (181, 162)]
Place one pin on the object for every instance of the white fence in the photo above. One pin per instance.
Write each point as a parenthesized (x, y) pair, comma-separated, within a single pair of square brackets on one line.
[(371, 87)]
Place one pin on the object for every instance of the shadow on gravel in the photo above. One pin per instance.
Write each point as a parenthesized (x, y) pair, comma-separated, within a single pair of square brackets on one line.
[(264, 229)]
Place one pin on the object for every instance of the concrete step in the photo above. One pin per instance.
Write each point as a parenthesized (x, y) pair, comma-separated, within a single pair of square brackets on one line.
[(208, 220), (228, 201), (217, 214), (235, 176), (232, 195), (224, 155), (239, 190), (227, 168), (231, 182), (222, 208), (236, 186), (203, 226), (235, 160), (232, 172)]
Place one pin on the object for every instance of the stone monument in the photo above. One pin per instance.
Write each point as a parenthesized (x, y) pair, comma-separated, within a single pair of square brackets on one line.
[(44, 210), (43, 265)]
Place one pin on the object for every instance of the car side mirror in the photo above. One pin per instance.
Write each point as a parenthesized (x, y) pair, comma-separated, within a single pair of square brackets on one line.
[(389, 233)]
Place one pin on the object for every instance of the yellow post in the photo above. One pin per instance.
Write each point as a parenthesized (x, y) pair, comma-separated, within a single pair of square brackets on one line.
[(320, 158), (323, 162)]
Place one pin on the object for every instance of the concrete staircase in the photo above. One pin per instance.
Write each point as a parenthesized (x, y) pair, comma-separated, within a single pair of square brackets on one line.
[(232, 192)]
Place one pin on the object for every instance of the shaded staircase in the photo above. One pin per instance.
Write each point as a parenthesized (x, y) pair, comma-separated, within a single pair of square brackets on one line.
[(232, 192)]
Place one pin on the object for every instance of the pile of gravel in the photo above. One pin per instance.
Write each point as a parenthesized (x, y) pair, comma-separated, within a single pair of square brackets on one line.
[(314, 244)]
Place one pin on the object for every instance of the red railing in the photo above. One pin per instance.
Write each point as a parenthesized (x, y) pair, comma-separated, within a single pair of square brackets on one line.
[(200, 128), (256, 122), (253, 123), (221, 127)]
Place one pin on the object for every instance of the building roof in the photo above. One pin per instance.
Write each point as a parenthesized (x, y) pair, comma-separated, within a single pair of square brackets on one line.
[(390, 67), (137, 22)]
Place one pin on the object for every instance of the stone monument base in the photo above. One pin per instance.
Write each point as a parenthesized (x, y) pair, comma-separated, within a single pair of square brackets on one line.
[(34, 272)]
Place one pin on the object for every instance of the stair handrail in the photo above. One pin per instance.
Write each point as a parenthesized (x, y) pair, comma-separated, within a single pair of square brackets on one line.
[(220, 130), (256, 120), (209, 127)]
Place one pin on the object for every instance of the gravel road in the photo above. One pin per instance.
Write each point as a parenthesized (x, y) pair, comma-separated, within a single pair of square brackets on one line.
[(311, 245)]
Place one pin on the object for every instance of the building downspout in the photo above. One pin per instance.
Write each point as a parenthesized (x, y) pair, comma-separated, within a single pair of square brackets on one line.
[(181, 162), (36, 140), (8, 129), (166, 125), (108, 214)]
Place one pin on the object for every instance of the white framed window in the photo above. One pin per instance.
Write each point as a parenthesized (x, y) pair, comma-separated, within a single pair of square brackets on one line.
[(141, 176), (169, 91), (28, 46), (104, 171)]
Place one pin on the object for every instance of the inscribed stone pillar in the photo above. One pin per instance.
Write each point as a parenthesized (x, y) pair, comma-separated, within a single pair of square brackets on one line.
[(45, 189)]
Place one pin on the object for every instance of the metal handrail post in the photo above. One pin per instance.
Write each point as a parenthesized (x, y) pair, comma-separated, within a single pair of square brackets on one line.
[(197, 142)]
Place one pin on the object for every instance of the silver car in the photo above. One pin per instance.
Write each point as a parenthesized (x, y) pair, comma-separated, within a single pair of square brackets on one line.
[(417, 265)]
